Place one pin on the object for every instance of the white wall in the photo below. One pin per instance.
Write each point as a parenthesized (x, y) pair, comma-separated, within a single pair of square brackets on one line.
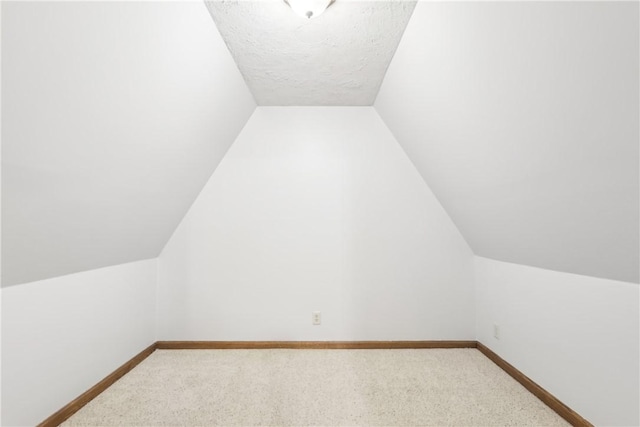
[(316, 209), (0, 219), (61, 336), (576, 336)]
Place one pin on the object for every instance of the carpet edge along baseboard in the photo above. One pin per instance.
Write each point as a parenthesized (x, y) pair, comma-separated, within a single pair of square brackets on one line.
[(76, 404), (547, 398), (571, 416), (309, 345)]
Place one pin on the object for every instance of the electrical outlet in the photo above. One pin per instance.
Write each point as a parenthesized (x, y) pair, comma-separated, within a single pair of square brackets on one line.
[(316, 318), (496, 331)]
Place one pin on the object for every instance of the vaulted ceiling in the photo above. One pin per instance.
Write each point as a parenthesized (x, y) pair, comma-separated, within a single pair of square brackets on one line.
[(521, 116), (523, 119), (114, 115)]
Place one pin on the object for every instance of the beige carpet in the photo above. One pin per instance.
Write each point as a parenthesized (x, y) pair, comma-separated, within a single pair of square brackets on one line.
[(316, 387)]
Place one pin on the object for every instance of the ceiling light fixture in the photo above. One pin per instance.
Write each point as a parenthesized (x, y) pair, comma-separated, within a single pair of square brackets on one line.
[(309, 8)]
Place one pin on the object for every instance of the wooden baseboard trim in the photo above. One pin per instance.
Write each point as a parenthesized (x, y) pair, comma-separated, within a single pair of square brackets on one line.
[(86, 397), (310, 345), (550, 400)]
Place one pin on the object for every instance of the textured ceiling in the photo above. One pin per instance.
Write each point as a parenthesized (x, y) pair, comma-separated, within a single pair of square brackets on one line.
[(338, 58), (114, 115), (523, 119)]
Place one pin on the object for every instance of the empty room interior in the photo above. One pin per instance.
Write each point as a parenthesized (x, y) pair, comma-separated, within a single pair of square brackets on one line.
[(316, 212)]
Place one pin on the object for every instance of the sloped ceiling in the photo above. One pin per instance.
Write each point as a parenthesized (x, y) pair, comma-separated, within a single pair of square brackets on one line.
[(521, 116), (338, 58), (523, 119), (114, 116)]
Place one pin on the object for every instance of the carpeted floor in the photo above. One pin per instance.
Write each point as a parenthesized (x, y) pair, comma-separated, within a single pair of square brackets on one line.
[(458, 387)]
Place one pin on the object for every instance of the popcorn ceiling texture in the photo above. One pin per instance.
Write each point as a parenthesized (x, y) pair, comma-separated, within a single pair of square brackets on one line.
[(338, 58), (457, 387)]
